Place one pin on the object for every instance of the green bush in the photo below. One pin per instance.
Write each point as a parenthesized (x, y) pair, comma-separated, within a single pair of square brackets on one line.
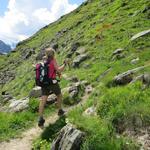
[(41, 145), (12, 124), (33, 105), (121, 105)]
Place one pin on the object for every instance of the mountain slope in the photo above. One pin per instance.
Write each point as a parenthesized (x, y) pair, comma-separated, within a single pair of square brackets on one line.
[(4, 48), (100, 27)]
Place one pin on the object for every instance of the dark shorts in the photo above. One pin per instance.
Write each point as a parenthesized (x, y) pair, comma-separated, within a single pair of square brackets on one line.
[(53, 88)]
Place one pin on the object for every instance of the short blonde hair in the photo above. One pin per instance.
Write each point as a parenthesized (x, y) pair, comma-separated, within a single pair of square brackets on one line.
[(49, 52)]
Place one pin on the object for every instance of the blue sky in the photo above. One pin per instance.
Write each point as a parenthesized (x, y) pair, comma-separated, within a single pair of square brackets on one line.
[(3, 6), (19, 19)]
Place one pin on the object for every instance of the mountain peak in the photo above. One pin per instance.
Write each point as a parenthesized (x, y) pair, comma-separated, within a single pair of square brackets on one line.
[(4, 48)]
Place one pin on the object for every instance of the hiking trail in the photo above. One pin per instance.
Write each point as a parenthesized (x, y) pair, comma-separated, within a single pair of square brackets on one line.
[(27, 137)]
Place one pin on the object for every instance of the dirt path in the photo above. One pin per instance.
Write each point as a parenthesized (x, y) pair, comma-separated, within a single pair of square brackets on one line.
[(25, 142)]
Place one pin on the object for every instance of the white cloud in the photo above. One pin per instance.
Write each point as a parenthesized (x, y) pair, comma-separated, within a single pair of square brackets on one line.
[(44, 16), (24, 17)]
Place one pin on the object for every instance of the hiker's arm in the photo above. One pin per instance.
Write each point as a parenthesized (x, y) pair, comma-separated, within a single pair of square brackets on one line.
[(59, 68)]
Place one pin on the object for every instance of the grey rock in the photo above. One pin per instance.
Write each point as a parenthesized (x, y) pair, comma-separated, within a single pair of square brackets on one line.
[(146, 79), (79, 59), (82, 50), (51, 99), (134, 61), (91, 111), (127, 77), (6, 97), (73, 94), (88, 89), (138, 78), (18, 105), (75, 46), (118, 51), (36, 92), (73, 90), (143, 33), (69, 138), (118, 56), (123, 79)]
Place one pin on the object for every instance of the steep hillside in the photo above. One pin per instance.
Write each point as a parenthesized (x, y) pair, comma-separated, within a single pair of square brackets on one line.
[(99, 38)]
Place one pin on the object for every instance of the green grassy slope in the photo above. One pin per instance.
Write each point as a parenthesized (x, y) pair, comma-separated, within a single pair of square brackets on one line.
[(101, 26)]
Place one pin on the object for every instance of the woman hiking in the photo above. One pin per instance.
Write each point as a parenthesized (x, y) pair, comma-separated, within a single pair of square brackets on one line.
[(52, 87)]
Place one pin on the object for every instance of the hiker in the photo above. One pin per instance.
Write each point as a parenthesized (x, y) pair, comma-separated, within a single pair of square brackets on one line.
[(53, 86)]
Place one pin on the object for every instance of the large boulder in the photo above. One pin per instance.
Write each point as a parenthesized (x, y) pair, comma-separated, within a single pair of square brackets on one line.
[(143, 33), (18, 105), (127, 77), (123, 78), (79, 59), (36, 92), (69, 138)]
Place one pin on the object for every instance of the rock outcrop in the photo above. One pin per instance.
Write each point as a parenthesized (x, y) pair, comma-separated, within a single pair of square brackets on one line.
[(118, 54), (69, 138), (143, 33), (126, 77), (36, 92), (79, 59), (18, 105)]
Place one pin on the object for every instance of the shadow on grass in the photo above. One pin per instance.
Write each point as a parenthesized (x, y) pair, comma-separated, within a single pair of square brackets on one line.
[(51, 131)]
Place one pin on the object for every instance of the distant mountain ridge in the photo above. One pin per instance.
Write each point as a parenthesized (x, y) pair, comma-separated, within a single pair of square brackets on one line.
[(4, 48)]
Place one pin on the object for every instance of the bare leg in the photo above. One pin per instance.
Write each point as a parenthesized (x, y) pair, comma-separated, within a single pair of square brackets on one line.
[(59, 101), (42, 104)]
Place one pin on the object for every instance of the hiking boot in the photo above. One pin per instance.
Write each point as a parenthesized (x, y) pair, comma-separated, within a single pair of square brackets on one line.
[(41, 122), (61, 112)]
